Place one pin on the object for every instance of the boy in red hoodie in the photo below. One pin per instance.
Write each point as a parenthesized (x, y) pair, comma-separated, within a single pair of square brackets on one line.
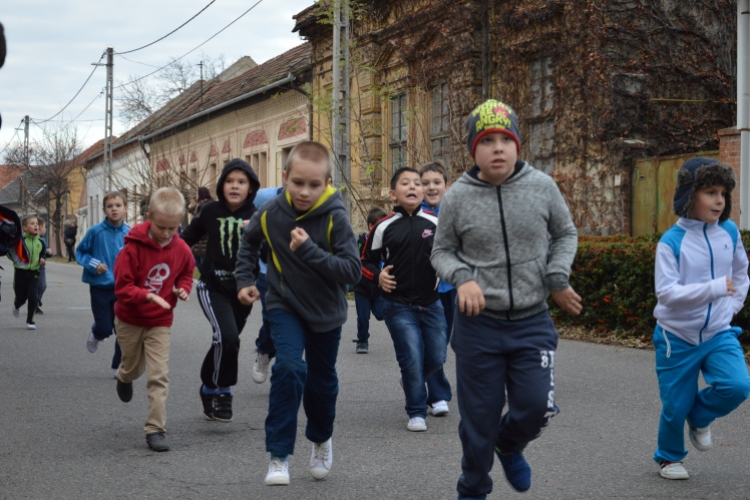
[(152, 271)]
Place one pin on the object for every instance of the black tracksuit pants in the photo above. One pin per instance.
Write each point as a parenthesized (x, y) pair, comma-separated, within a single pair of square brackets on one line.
[(26, 287), (227, 317), (493, 355)]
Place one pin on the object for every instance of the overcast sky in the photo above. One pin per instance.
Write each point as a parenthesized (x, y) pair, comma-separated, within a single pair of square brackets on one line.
[(52, 43)]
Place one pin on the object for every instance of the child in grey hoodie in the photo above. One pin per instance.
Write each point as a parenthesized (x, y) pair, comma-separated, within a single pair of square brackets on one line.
[(312, 260), (506, 242)]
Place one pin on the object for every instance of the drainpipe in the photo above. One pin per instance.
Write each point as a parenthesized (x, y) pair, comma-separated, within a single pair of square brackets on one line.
[(743, 107)]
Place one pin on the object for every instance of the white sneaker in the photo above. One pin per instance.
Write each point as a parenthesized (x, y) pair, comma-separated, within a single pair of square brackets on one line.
[(321, 459), (440, 408), (92, 344), (30, 326), (260, 368), (416, 424), (672, 470), (701, 438), (278, 473), (16, 312), (114, 373)]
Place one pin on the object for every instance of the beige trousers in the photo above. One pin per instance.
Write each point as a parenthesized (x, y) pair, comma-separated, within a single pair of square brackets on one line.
[(146, 348)]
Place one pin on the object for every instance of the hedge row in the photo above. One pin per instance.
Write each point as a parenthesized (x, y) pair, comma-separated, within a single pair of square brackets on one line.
[(615, 277)]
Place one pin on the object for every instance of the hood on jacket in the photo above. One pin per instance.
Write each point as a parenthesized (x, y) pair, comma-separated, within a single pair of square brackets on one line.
[(139, 234), (238, 164), (698, 173)]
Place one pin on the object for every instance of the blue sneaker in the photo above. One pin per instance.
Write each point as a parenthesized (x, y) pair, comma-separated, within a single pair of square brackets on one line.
[(517, 470)]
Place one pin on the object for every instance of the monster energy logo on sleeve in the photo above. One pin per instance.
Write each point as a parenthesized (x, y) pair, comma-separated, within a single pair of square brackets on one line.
[(228, 227)]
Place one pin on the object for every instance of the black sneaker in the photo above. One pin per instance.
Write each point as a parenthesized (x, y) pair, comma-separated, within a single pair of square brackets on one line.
[(157, 442), (223, 408), (124, 391), (362, 347), (208, 404), (39, 311)]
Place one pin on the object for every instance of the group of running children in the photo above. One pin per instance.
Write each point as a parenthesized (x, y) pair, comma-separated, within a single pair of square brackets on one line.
[(504, 243)]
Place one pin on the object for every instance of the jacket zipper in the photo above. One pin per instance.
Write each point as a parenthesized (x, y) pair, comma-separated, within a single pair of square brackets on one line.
[(710, 304), (507, 250), (411, 253)]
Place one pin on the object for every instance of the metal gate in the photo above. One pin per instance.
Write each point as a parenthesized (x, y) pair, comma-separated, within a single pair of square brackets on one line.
[(653, 186)]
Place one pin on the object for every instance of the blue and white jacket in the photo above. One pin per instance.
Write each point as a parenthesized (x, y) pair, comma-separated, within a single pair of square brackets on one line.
[(102, 243), (693, 261)]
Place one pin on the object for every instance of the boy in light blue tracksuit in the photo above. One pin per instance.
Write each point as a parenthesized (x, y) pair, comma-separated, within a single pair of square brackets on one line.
[(97, 253), (701, 283)]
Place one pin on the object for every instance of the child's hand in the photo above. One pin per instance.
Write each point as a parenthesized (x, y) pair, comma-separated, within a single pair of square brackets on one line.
[(101, 268), (731, 290), (248, 295), (152, 297), (470, 298), (181, 294), (299, 236), (386, 280), (49, 253), (41, 261), (569, 300)]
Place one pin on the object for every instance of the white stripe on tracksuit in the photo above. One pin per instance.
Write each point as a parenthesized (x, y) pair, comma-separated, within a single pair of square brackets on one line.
[(205, 302)]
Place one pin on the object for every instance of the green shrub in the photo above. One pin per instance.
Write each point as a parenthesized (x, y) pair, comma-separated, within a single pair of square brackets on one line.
[(615, 277)]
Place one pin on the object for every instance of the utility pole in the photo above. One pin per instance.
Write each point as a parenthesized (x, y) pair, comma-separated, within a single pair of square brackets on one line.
[(26, 141), (341, 99), (743, 107), (108, 116)]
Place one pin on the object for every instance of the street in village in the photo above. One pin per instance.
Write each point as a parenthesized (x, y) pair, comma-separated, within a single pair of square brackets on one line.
[(64, 433)]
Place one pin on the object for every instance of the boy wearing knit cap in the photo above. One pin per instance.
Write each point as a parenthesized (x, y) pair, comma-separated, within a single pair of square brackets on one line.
[(701, 283), (506, 242)]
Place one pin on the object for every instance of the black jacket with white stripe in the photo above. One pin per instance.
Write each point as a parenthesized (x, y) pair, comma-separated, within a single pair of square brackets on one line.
[(404, 240)]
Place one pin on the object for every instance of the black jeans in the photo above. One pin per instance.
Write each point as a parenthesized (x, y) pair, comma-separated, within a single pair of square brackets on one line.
[(26, 287), (227, 317), (71, 252)]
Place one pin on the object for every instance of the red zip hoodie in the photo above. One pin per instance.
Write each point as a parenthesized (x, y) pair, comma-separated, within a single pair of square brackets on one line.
[(142, 267)]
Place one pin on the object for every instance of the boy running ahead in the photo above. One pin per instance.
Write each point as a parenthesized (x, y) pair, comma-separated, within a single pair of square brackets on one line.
[(313, 258)]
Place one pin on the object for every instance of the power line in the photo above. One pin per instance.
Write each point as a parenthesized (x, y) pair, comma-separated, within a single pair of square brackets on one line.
[(193, 50), (139, 62), (165, 36), (10, 141), (79, 91)]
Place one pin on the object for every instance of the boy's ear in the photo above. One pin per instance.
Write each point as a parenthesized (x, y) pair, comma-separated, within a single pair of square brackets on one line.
[(447, 185), (329, 182), (284, 176), (392, 194)]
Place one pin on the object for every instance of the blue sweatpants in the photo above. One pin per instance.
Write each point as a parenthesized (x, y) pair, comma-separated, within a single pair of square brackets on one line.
[(678, 364), (103, 306), (493, 355)]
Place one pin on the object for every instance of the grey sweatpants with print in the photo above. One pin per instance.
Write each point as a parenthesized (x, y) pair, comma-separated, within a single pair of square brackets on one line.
[(493, 355)]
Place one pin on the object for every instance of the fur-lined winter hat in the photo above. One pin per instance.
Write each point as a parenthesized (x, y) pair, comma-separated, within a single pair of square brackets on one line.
[(698, 173), (489, 117)]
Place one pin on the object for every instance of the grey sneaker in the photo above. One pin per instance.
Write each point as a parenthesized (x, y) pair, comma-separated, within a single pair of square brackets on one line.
[(700, 437), (157, 441), (92, 343), (16, 312), (260, 368), (362, 347)]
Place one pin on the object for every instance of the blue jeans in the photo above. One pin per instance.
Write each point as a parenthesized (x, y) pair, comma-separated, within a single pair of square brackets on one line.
[(264, 342), (438, 387), (103, 307), (311, 379), (419, 339), (364, 306), (678, 365)]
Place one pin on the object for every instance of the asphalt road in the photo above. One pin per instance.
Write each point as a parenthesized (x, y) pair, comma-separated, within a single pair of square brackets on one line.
[(65, 434)]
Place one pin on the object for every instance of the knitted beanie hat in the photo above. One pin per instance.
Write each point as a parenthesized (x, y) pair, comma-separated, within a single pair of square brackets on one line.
[(698, 173), (489, 117)]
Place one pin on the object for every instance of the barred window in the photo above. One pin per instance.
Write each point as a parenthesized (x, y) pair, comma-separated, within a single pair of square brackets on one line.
[(398, 132), (440, 136)]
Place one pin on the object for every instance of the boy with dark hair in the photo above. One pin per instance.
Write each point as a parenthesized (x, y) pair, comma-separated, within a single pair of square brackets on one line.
[(411, 307), (367, 295), (97, 253), (506, 241), (26, 279), (223, 221), (701, 283), (154, 270), (434, 177), (313, 259)]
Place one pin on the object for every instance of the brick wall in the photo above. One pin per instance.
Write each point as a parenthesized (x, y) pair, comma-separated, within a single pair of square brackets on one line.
[(729, 153)]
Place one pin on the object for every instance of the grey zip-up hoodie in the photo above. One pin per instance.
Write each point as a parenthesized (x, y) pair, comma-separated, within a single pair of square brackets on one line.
[(516, 240), (310, 282)]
